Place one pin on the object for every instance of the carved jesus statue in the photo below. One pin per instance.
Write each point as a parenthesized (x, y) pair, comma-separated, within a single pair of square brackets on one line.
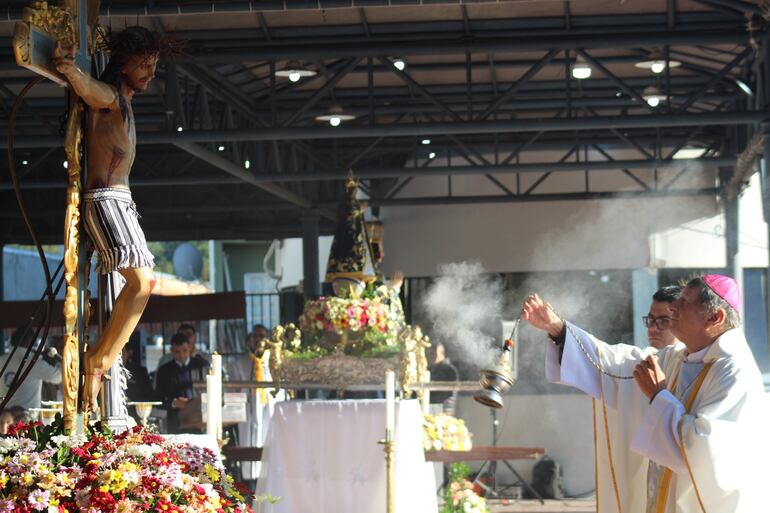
[(111, 218)]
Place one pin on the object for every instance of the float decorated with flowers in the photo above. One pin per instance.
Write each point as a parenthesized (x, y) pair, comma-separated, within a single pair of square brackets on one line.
[(43, 469), (353, 336)]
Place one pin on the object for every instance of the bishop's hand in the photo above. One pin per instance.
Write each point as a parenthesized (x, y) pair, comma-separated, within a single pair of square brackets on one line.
[(541, 315), (649, 376)]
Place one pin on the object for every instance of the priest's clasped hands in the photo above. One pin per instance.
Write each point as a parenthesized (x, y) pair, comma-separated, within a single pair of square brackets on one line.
[(647, 373)]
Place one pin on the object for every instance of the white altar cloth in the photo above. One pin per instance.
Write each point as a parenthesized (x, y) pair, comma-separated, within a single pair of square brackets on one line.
[(323, 457)]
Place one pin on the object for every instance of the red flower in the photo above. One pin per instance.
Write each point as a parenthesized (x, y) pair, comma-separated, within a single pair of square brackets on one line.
[(150, 483), (68, 507), (102, 501), (166, 507)]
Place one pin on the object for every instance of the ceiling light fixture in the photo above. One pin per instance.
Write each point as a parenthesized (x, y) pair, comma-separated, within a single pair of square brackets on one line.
[(581, 70), (221, 148), (247, 164), (688, 153), (656, 63), (432, 155), (179, 129), (653, 96), (399, 63), (24, 162), (743, 86), (335, 116), (294, 71), (426, 142)]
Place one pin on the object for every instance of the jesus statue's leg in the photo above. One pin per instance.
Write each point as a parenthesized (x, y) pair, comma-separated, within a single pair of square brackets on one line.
[(125, 315)]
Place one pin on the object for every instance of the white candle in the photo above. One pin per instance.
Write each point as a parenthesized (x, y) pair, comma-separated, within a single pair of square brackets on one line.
[(390, 404), (426, 395), (216, 364), (211, 420)]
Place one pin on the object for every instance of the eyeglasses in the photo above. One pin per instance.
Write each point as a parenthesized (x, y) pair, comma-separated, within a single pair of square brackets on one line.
[(661, 322)]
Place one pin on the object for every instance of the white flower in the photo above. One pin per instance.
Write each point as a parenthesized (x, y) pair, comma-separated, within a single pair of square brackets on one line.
[(467, 507), (8, 444), (144, 450), (69, 440)]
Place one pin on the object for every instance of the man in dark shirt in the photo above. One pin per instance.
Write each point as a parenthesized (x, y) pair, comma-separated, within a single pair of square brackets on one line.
[(139, 384), (176, 378), (441, 369)]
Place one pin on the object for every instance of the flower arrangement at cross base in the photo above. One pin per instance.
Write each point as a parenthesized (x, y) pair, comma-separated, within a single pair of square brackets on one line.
[(445, 433), (42, 469), (460, 496)]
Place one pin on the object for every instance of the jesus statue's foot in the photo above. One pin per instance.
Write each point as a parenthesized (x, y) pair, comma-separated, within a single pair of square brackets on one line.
[(92, 384)]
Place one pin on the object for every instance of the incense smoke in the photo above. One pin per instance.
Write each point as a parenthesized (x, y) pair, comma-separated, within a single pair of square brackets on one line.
[(462, 306)]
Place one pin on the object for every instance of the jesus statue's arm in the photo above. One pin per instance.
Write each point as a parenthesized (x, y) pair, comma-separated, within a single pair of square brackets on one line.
[(95, 93)]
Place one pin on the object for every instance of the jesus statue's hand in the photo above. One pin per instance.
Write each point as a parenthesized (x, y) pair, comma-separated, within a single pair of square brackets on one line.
[(541, 315), (650, 377), (64, 59)]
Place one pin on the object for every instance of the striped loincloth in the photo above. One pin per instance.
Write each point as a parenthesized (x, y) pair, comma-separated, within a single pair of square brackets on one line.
[(112, 224)]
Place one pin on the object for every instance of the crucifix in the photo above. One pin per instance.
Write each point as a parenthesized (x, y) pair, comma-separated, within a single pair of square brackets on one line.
[(35, 39)]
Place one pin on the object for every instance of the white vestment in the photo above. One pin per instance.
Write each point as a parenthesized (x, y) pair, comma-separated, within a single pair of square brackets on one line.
[(725, 436), (258, 412)]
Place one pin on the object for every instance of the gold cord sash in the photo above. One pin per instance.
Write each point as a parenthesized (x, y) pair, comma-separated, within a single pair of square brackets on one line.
[(665, 480), (609, 444)]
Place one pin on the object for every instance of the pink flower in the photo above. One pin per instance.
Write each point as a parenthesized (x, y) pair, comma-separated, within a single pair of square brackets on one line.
[(39, 500)]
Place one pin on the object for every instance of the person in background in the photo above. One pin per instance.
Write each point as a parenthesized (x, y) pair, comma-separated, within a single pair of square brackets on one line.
[(139, 384), (192, 339), (47, 369), (442, 369), (260, 334), (658, 321), (191, 335), (11, 416), (175, 380)]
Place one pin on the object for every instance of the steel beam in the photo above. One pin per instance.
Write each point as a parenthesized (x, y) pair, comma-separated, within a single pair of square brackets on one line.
[(472, 127), (535, 198), (322, 91), (315, 49), (716, 78), (353, 131), (241, 173), (507, 95)]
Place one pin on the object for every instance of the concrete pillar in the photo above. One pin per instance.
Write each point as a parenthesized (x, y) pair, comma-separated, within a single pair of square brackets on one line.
[(644, 283), (764, 180), (2, 270), (310, 230), (732, 229)]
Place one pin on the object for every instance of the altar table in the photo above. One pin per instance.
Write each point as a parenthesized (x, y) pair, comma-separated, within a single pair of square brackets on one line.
[(323, 457)]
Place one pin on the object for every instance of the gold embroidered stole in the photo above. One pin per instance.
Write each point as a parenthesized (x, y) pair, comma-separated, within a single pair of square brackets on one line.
[(259, 375), (665, 480)]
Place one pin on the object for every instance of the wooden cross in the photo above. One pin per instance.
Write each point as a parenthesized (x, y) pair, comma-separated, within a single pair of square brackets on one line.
[(35, 37)]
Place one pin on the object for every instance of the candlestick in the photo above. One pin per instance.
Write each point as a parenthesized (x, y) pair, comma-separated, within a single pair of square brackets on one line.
[(211, 422), (390, 404), (426, 395), (216, 401)]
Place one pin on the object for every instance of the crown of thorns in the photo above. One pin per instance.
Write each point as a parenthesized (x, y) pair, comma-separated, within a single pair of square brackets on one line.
[(138, 40)]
